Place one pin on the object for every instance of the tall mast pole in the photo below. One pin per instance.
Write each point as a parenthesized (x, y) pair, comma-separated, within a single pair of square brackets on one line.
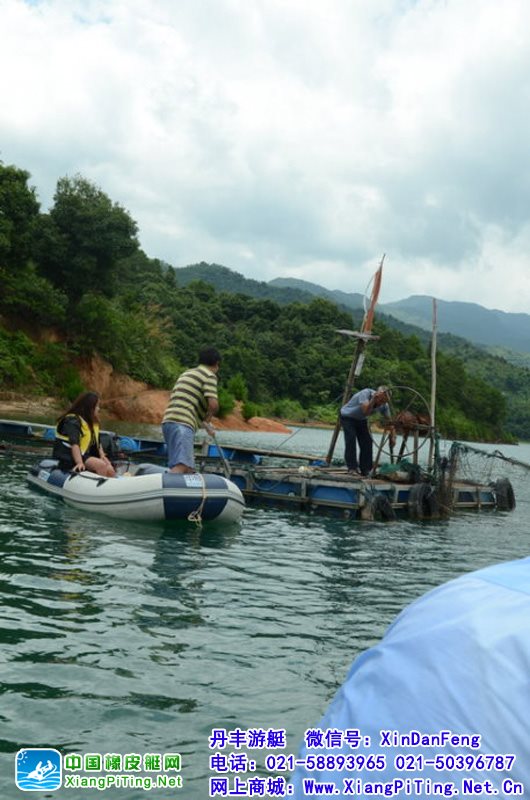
[(364, 336), (433, 380)]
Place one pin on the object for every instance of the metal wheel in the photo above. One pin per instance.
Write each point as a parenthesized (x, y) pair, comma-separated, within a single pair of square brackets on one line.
[(410, 402)]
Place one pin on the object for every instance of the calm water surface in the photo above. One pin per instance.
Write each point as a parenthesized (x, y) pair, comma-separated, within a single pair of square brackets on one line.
[(131, 638)]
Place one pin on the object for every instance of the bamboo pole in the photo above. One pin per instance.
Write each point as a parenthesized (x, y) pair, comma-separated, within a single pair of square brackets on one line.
[(358, 359)]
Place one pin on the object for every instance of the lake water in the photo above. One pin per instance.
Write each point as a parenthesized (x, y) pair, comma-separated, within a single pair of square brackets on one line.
[(128, 638)]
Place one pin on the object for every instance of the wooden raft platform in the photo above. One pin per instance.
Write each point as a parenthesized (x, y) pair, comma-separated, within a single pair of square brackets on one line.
[(334, 491)]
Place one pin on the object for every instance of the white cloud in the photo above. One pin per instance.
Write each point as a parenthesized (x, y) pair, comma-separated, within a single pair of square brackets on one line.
[(289, 137)]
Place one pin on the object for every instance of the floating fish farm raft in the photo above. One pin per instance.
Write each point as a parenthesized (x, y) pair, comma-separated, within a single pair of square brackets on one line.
[(303, 482)]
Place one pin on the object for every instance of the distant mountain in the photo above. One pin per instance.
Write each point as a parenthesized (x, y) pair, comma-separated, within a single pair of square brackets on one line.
[(352, 300), (516, 358), (227, 280), (471, 321)]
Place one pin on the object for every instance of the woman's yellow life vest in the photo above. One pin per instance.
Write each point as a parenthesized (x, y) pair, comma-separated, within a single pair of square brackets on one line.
[(88, 437)]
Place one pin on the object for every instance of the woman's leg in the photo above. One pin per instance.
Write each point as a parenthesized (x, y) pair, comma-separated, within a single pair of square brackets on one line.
[(100, 467)]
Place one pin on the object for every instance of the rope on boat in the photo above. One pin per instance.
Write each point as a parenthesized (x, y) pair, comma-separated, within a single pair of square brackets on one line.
[(224, 460), (196, 516)]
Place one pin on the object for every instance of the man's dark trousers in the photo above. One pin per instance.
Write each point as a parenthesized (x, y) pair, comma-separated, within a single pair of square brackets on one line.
[(356, 430)]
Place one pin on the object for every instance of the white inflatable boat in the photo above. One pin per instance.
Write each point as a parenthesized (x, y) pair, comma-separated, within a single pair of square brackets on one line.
[(151, 493)]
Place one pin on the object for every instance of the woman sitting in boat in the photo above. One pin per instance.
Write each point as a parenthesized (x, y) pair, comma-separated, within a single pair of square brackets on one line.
[(77, 445)]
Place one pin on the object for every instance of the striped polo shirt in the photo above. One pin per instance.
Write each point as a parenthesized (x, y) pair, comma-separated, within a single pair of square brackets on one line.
[(188, 402)]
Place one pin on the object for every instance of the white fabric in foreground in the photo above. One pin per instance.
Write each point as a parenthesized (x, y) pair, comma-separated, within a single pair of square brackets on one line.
[(458, 660)]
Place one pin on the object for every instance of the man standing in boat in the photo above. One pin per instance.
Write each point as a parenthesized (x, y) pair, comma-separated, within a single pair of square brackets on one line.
[(192, 403), (354, 420)]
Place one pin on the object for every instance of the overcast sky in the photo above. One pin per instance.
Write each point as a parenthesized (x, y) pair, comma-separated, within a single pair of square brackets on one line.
[(294, 138)]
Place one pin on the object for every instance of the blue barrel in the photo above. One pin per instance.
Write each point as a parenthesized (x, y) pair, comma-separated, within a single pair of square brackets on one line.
[(128, 444)]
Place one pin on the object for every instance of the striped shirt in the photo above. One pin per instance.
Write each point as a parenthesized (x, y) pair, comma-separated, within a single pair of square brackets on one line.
[(188, 403)]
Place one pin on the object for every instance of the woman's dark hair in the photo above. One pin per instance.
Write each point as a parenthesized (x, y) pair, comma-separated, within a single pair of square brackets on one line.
[(84, 406)]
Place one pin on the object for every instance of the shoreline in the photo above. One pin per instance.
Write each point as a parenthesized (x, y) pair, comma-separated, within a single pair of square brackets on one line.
[(18, 406), (46, 409)]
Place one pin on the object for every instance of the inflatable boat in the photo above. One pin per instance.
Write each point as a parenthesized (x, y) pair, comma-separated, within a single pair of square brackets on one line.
[(147, 493)]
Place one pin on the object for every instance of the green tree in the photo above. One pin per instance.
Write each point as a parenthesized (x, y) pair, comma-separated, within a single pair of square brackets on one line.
[(24, 292), (238, 387), (19, 209), (82, 239), (28, 295)]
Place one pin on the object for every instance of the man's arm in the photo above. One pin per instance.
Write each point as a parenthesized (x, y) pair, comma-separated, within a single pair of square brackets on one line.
[(385, 411), (213, 408), (368, 406)]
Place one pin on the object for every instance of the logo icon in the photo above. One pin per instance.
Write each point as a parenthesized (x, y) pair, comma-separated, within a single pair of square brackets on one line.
[(37, 769)]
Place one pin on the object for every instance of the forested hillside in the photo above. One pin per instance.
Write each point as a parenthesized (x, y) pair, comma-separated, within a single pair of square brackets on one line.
[(227, 280), (494, 366), (352, 300), (75, 282)]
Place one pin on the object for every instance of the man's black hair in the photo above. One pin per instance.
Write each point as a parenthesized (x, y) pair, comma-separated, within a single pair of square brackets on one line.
[(209, 356)]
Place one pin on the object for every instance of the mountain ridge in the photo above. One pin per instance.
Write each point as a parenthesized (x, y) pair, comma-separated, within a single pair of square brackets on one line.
[(499, 332), (472, 321)]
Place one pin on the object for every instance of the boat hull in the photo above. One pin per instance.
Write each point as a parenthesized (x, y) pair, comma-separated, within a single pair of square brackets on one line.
[(159, 495)]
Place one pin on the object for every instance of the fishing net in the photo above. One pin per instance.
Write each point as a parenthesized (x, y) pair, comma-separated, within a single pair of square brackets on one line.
[(467, 464)]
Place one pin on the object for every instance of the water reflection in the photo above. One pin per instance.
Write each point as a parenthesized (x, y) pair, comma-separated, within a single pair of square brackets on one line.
[(132, 637)]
